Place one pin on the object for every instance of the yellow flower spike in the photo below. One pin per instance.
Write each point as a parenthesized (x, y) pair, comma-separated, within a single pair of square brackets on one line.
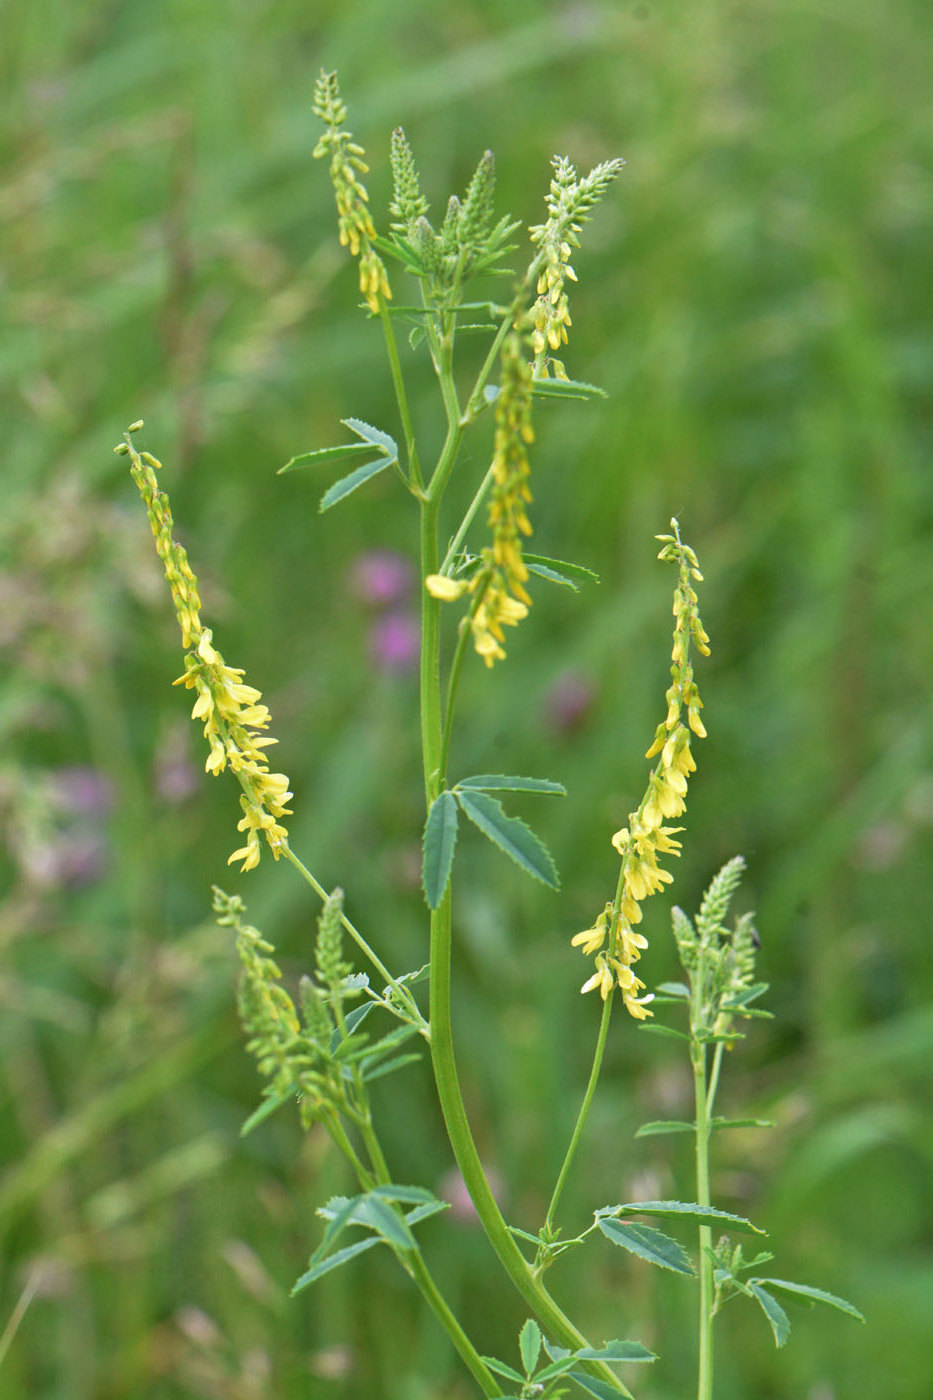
[(647, 837), (229, 710), (354, 222)]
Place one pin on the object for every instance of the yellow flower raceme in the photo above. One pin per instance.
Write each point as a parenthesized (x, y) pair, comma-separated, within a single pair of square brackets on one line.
[(612, 938), (569, 202), (498, 586), (508, 518), (354, 221), (230, 710)]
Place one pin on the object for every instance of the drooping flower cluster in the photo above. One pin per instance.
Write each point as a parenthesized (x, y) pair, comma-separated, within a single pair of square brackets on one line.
[(354, 221), (569, 203), (230, 710), (613, 938), (498, 585)]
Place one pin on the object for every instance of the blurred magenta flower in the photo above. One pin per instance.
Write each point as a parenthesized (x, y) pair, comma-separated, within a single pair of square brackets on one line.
[(394, 642), (81, 791), (569, 701), (381, 577), (175, 777)]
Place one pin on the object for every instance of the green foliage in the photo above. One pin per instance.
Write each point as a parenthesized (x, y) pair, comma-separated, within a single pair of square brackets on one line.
[(758, 308)]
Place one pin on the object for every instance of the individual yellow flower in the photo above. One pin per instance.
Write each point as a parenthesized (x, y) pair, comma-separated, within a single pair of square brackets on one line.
[(448, 590), (646, 837), (229, 710)]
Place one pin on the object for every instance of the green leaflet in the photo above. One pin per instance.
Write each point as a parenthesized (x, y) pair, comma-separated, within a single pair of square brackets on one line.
[(348, 484), (803, 1293), (777, 1317), (594, 1387), (266, 1109), (566, 389), (324, 455), (689, 1212), (529, 1344), (440, 839), (333, 1261), (559, 570), (668, 1032), (664, 1125), (648, 1243), (511, 835), (616, 1351), (741, 1123), (508, 1373), (498, 782)]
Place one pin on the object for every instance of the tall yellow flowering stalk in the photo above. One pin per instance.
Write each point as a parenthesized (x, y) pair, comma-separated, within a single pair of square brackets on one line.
[(613, 937), (231, 711)]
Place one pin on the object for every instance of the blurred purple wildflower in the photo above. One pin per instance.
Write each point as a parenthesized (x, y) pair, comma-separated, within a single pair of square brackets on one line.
[(394, 642), (569, 701), (380, 577), (81, 791)]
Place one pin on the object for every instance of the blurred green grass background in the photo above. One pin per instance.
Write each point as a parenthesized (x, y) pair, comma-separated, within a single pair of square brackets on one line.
[(756, 298)]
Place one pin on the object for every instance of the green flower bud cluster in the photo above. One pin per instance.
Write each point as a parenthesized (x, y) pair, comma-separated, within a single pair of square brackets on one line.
[(293, 1053), (719, 962), (467, 242)]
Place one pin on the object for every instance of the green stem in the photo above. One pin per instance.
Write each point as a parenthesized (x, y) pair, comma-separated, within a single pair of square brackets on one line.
[(434, 750), (442, 1048), (582, 1115), (414, 1265), (401, 396), (453, 683), (402, 992), (467, 521), (19, 1311), (714, 1078), (705, 1364), (366, 1178), (465, 1348), (464, 1148)]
